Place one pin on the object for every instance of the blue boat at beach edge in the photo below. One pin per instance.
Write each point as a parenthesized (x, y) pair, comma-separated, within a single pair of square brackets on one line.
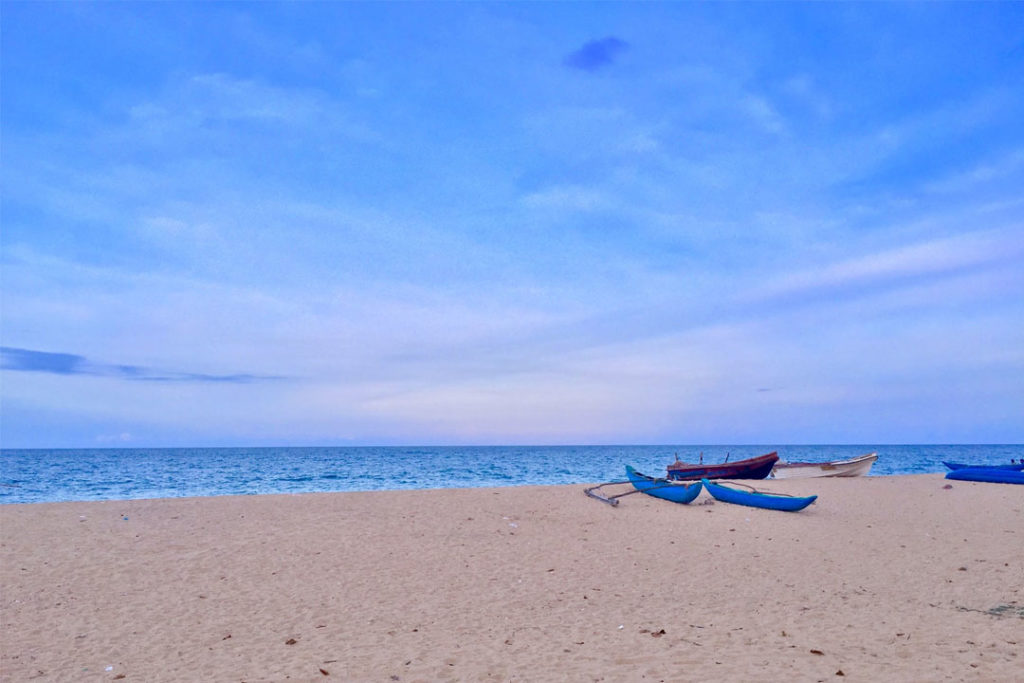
[(1011, 466), (989, 475)]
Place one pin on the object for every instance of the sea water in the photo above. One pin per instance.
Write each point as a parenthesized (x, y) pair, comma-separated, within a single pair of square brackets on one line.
[(39, 475)]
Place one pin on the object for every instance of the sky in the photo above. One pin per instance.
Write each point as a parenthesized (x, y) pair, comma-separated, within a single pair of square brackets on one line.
[(235, 224)]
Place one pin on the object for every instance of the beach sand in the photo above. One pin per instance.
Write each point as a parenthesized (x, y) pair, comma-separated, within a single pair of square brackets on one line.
[(883, 579)]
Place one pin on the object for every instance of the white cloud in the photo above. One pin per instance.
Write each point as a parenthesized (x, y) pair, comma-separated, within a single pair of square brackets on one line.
[(760, 110), (569, 198), (802, 88), (107, 439), (942, 256), (988, 171)]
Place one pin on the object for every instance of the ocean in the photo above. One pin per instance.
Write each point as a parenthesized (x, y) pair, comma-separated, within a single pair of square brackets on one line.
[(44, 476)]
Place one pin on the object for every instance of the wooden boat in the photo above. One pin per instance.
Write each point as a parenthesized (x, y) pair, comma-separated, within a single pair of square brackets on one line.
[(1014, 466), (851, 467), (751, 468), (663, 488), (992, 475), (757, 499)]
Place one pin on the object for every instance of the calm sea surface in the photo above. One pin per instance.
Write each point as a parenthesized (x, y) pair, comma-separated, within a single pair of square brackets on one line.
[(38, 475)]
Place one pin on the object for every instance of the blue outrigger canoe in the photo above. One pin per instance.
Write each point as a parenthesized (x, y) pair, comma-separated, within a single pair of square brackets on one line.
[(992, 475), (769, 501), (1013, 466), (663, 488), (675, 491)]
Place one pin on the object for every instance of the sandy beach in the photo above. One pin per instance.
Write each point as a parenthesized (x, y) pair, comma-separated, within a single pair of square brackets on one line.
[(883, 579)]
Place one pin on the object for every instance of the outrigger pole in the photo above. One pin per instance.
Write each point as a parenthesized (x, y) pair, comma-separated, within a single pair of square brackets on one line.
[(611, 500)]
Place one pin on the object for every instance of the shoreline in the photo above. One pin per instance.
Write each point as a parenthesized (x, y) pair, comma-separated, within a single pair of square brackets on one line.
[(886, 577), (52, 476), (580, 485)]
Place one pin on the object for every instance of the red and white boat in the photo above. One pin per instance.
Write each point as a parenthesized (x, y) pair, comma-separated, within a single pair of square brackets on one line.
[(751, 468)]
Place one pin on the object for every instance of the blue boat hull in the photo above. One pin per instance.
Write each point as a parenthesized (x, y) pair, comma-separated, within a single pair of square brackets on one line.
[(663, 488), (1016, 467), (987, 474), (767, 501)]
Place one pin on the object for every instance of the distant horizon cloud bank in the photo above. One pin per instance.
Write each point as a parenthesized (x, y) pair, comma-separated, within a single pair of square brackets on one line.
[(28, 360)]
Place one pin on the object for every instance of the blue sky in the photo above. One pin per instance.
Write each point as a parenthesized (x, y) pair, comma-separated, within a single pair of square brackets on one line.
[(415, 223)]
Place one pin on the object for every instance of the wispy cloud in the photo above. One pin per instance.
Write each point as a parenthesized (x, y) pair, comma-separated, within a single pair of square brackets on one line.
[(596, 54), (41, 361), (566, 198), (199, 104), (28, 360), (763, 113), (803, 89), (941, 257), (987, 171)]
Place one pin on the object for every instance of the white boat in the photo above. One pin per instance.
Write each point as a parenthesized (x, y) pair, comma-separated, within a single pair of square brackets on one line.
[(853, 467)]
